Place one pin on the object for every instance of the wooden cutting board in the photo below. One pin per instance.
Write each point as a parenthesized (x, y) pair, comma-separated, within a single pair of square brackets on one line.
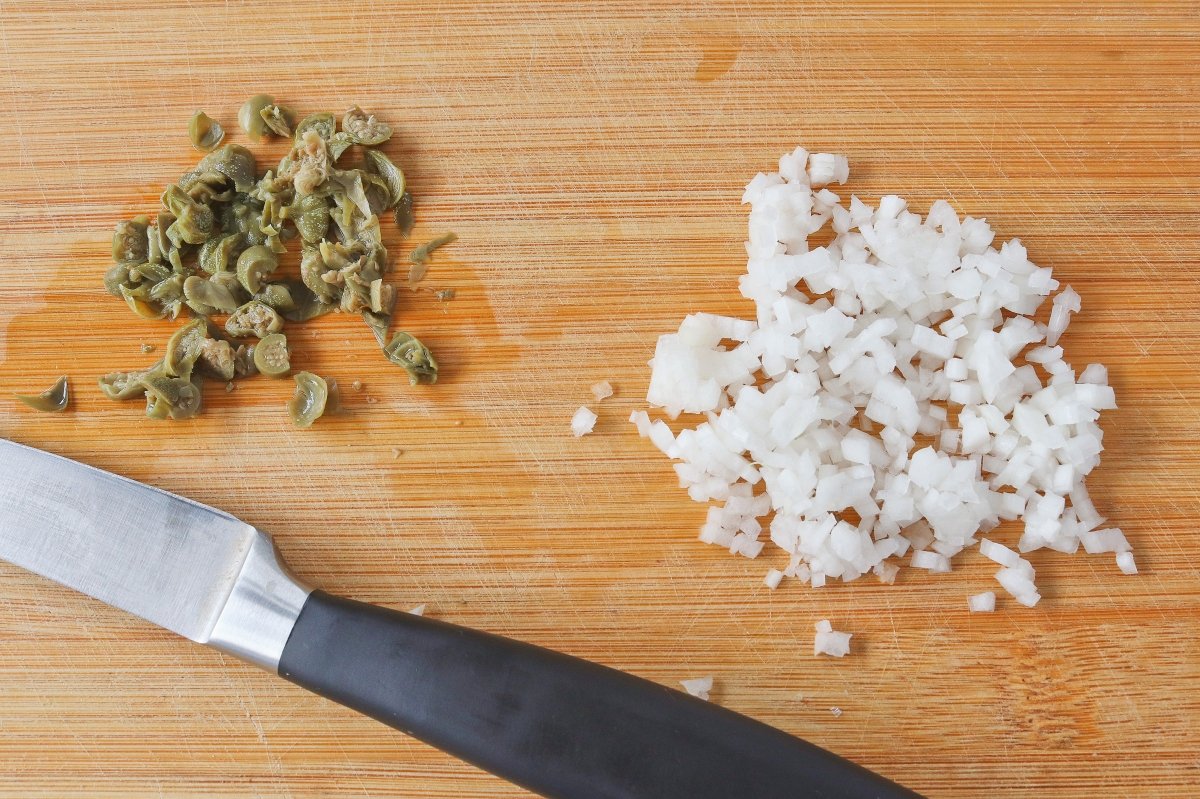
[(592, 157)]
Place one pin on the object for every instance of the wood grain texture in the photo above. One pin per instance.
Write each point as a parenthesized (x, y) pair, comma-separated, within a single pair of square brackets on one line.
[(591, 157)]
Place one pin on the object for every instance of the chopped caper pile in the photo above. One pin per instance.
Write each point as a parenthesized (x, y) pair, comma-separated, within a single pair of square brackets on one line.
[(214, 249)]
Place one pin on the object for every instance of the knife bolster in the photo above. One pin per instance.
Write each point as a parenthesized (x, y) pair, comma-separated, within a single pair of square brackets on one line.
[(258, 616)]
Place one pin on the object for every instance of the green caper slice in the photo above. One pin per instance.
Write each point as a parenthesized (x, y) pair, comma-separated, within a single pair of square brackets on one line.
[(271, 355), (421, 253), (205, 132), (412, 356), (381, 165), (277, 295), (311, 216), (363, 128), (254, 264), (324, 123), (218, 358), (126, 385), (234, 162), (243, 361), (149, 273), (250, 115), (308, 403), (203, 295), (52, 400), (173, 397), (116, 277), (218, 253), (131, 240), (313, 267), (140, 306), (404, 214), (255, 318), (278, 119), (183, 348)]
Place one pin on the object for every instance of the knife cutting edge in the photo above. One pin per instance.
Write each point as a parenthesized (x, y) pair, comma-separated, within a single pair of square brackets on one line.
[(554, 724)]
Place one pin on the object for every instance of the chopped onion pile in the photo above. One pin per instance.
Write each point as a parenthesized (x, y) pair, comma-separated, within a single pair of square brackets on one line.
[(893, 398)]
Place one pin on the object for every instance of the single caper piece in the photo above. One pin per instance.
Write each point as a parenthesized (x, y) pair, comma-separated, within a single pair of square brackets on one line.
[(218, 358), (203, 294), (234, 162), (140, 306), (168, 291), (183, 348), (243, 361), (126, 385), (205, 132), (276, 295), (311, 159), (174, 397), (52, 400), (351, 183), (421, 254), (208, 187), (149, 273), (271, 355), (310, 212), (404, 214), (412, 356), (324, 123), (365, 129), (278, 119), (250, 115), (313, 267), (194, 222), (308, 403), (254, 264), (130, 241), (256, 319), (381, 165), (217, 254), (116, 277)]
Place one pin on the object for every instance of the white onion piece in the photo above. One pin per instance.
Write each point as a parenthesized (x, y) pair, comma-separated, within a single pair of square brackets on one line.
[(582, 422), (1126, 563), (828, 641), (698, 687), (602, 390), (982, 603)]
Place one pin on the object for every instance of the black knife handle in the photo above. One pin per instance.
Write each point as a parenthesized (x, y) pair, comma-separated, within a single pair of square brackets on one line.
[(554, 724)]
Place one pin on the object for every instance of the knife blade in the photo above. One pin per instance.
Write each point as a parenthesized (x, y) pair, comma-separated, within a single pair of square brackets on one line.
[(557, 725)]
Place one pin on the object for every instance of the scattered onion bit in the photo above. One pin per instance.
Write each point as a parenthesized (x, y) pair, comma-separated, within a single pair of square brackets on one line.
[(698, 687)]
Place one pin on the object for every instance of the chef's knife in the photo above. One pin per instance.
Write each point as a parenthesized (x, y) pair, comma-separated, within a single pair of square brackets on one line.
[(557, 725)]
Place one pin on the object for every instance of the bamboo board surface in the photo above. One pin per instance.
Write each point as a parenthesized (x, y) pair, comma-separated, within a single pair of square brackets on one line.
[(591, 158)]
